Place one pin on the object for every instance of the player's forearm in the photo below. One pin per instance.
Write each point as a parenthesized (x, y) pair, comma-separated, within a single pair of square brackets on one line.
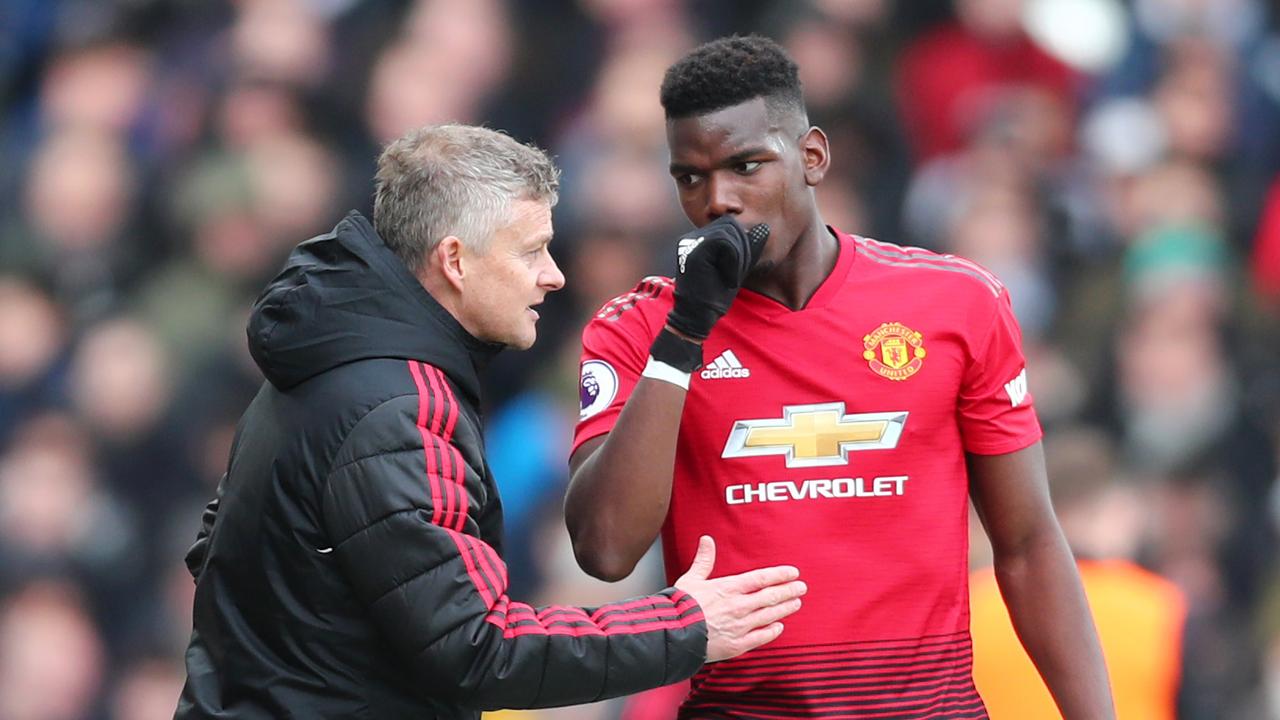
[(1041, 586), (618, 498)]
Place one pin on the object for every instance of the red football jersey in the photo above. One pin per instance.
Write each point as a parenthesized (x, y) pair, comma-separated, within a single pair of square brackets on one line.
[(833, 438)]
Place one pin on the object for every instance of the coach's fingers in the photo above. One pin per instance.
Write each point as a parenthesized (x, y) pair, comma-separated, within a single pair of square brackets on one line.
[(775, 594), (704, 560), (754, 580), (771, 596), (770, 614), (761, 636)]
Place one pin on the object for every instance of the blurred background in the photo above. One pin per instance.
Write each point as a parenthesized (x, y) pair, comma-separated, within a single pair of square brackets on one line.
[(1115, 162)]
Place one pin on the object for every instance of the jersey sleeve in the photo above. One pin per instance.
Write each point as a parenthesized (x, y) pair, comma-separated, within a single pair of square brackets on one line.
[(995, 408), (615, 349)]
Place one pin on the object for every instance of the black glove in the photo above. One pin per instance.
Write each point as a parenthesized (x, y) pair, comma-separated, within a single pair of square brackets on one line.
[(713, 263)]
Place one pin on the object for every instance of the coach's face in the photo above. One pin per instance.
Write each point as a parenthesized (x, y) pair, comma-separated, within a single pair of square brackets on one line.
[(502, 285), (740, 161)]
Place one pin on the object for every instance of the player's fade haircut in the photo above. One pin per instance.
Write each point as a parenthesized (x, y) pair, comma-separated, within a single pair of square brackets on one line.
[(459, 180), (729, 71)]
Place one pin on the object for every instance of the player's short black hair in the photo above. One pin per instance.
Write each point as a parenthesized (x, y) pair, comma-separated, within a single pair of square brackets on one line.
[(732, 70)]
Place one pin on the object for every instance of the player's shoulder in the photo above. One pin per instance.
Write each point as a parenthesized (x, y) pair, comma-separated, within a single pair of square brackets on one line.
[(943, 272), (653, 295)]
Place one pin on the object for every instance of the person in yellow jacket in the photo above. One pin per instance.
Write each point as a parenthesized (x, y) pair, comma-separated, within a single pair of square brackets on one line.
[(1140, 616)]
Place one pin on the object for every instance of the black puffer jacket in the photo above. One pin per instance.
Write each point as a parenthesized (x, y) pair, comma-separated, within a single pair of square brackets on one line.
[(351, 564)]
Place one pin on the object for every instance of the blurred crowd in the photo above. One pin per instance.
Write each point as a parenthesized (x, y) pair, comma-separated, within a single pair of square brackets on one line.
[(1115, 162)]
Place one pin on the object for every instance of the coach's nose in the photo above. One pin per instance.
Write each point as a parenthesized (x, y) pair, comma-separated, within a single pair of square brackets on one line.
[(551, 277)]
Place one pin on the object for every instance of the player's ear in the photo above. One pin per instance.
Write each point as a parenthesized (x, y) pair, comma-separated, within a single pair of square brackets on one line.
[(816, 154)]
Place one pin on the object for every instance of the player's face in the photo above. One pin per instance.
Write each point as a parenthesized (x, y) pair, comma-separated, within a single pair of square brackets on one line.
[(738, 161), (514, 274)]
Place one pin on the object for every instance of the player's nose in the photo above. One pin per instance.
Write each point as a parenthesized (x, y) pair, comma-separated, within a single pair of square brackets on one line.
[(722, 198)]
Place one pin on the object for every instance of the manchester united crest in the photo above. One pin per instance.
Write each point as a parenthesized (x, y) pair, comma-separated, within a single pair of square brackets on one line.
[(894, 351)]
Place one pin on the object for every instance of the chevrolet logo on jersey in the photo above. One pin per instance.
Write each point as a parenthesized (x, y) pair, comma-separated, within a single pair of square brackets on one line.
[(815, 435)]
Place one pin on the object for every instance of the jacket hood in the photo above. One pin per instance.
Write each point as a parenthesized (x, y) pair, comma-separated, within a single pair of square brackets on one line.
[(344, 296)]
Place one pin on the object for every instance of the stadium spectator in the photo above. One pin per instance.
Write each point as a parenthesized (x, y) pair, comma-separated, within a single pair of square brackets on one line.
[(1141, 617)]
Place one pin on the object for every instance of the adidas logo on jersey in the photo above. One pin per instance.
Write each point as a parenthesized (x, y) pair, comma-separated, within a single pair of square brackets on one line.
[(724, 366)]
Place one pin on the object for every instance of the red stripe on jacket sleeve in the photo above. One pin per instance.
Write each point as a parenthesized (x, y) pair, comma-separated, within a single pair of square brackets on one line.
[(487, 568), (461, 476), (651, 614), (473, 572), (497, 562), (456, 463), (487, 571), (441, 404), (428, 445), (453, 406)]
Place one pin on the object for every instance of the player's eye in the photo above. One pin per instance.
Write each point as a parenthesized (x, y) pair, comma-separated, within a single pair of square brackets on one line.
[(687, 179), (748, 167)]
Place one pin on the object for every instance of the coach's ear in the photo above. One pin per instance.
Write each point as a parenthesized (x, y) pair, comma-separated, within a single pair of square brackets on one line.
[(816, 151), (448, 256)]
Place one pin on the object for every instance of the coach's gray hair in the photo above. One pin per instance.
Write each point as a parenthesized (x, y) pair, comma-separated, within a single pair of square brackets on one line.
[(459, 180)]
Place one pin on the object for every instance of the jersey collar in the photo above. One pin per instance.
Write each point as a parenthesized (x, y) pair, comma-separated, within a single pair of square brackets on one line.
[(767, 306)]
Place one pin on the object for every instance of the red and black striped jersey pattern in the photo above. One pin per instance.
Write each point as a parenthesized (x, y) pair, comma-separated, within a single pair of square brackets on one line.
[(921, 678)]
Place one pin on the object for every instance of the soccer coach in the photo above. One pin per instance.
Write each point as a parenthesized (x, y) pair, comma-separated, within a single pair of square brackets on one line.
[(351, 564)]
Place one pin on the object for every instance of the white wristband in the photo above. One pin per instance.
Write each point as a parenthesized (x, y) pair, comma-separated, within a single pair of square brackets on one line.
[(659, 370)]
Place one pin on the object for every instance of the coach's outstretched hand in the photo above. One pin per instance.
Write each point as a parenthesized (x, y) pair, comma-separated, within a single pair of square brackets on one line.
[(713, 262), (742, 611)]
